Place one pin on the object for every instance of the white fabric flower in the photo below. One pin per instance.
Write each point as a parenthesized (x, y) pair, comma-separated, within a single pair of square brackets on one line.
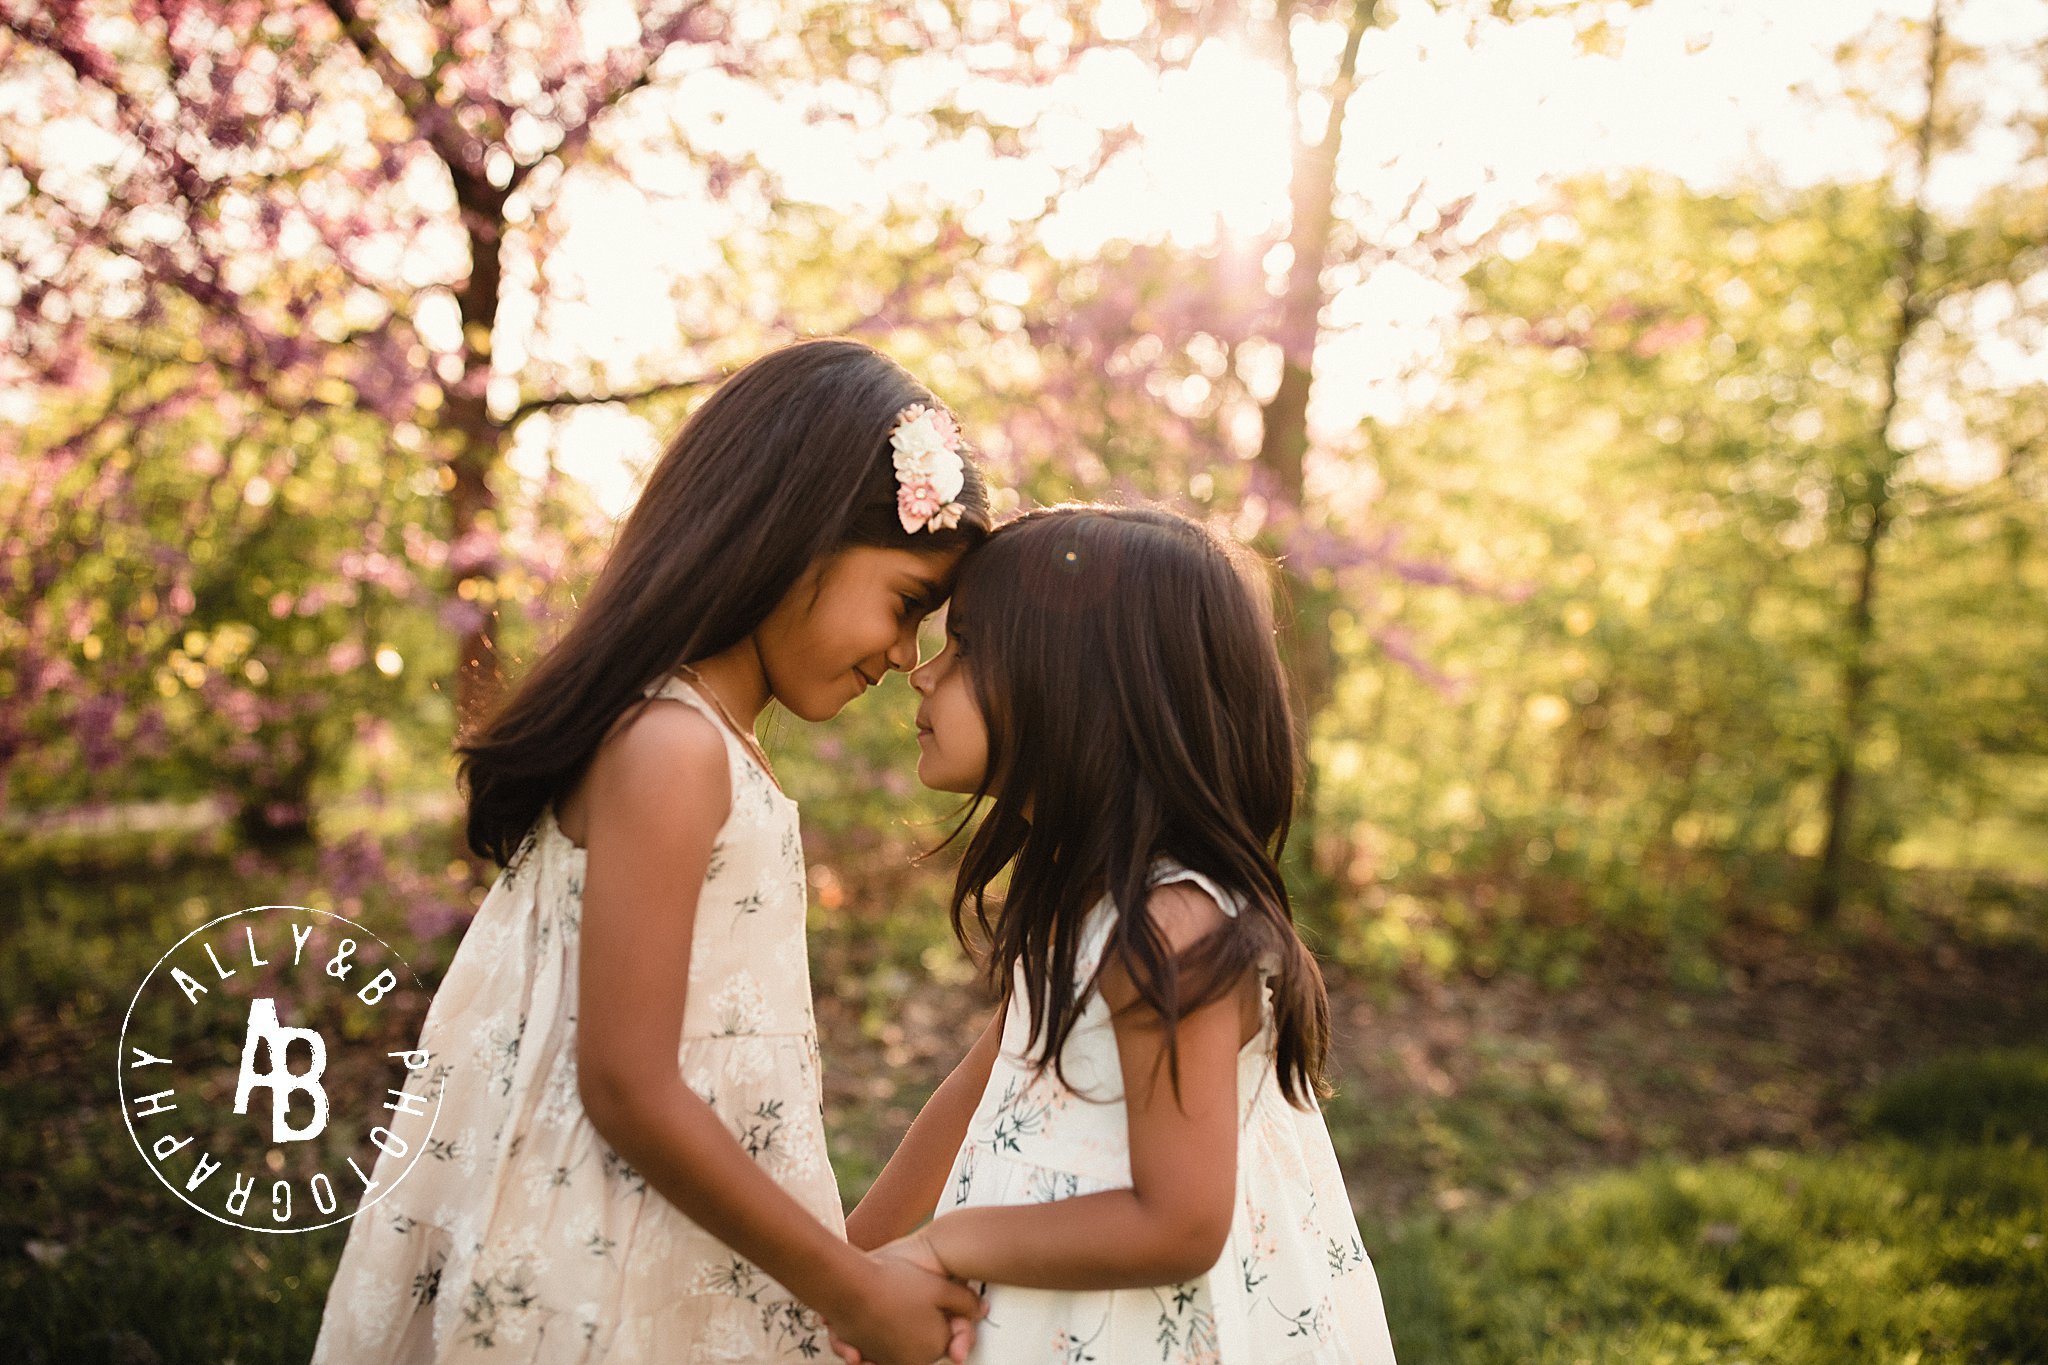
[(918, 436), (937, 465), (929, 469)]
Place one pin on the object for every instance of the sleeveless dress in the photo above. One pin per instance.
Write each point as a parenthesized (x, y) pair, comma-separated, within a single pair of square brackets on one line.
[(520, 1235), (1294, 1285)]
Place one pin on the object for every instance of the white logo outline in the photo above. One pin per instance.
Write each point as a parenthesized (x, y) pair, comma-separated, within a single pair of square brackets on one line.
[(382, 1188)]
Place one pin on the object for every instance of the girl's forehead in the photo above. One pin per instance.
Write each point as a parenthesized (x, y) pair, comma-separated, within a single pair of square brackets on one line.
[(939, 565), (933, 567)]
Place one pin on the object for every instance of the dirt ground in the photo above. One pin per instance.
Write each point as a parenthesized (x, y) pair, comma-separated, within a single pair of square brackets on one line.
[(1459, 1092)]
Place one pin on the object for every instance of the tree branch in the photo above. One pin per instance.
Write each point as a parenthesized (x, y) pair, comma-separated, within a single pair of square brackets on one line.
[(653, 47), (414, 95), (528, 407), (419, 98)]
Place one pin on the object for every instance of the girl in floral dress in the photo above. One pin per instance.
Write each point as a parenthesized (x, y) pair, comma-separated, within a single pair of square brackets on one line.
[(628, 1162), (1131, 1159)]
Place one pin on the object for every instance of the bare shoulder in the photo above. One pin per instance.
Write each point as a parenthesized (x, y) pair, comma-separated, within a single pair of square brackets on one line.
[(1184, 913), (664, 768)]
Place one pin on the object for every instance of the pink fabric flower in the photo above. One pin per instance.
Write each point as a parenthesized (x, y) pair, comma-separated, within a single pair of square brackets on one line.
[(917, 502), (929, 470)]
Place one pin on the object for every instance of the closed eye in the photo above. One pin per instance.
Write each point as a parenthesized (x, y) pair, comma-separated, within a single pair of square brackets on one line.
[(925, 601)]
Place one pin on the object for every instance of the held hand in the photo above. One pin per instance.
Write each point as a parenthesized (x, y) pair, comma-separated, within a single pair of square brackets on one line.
[(956, 1349), (905, 1315), (917, 1249)]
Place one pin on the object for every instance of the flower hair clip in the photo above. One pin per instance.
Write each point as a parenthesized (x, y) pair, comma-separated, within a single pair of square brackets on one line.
[(929, 470)]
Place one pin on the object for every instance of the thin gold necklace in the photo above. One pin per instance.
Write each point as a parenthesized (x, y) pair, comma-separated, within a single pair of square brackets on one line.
[(746, 736)]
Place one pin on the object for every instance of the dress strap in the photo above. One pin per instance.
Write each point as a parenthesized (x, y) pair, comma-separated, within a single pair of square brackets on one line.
[(1101, 921), (672, 686), (1165, 870), (676, 689)]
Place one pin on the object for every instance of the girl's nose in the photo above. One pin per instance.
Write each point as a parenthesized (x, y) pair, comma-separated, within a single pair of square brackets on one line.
[(903, 653), (921, 676)]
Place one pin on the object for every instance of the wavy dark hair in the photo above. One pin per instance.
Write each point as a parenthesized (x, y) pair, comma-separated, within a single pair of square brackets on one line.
[(1124, 662), (787, 460)]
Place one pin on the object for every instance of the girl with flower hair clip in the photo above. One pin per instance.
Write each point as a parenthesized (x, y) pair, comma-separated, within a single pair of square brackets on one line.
[(629, 1161), (1131, 1160)]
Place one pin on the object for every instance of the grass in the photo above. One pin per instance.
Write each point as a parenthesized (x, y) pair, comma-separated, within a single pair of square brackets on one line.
[(98, 1261), (1986, 1096), (1919, 1238), (1925, 1241), (207, 1295), (1520, 1107), (1883, 1251)]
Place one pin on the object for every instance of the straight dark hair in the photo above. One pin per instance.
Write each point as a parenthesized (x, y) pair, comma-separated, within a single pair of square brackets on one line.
[(1124, 663), (789, 459)]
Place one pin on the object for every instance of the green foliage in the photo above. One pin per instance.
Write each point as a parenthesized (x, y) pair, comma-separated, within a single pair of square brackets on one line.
[(98, 1261), (78, 1209), (1935, 1250), (1646, 472), (1874, 1253), (1989, 1096), (238, 590), (190, 1296)]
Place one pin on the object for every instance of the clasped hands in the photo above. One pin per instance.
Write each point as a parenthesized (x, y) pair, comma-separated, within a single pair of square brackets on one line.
[(907, 1268)]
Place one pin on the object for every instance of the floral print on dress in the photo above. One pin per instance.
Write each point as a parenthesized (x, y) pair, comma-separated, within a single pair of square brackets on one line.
[(1069, 1347), (741, 1007), (782, 1320), (1025, 1111), (1186, 1329), (1293, 1286), (521, 1236)]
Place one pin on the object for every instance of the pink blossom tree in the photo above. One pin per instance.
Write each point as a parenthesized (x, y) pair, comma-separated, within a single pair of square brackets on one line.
[(288, 216), (281, 201)]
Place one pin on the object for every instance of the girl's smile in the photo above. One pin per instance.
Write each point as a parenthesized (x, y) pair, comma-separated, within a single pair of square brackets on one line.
[(804, 520), (854, 615)]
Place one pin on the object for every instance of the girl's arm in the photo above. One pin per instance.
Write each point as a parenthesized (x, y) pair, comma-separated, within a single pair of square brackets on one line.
[(657, 795), (1172, 1223), (908, 1189)]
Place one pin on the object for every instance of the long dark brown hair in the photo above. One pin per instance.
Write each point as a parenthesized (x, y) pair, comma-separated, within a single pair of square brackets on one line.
[(1124, 662), (787, 460)]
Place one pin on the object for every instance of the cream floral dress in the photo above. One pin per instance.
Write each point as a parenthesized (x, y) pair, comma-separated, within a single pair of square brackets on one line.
[(1294, 1285), (520, 1235)]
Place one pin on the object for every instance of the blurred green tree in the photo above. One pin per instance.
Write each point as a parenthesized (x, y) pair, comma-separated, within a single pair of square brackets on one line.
[(1656, 449)]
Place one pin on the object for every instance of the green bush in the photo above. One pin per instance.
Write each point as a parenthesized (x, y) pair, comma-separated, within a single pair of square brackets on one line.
[(195, 1292), (1985, 1096), (1878, 1252)]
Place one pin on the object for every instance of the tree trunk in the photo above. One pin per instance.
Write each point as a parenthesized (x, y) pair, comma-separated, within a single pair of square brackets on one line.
[(1857, 670), (1842, 782), (1283, 445), (275, 814), (478, 439), (473, 523)]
